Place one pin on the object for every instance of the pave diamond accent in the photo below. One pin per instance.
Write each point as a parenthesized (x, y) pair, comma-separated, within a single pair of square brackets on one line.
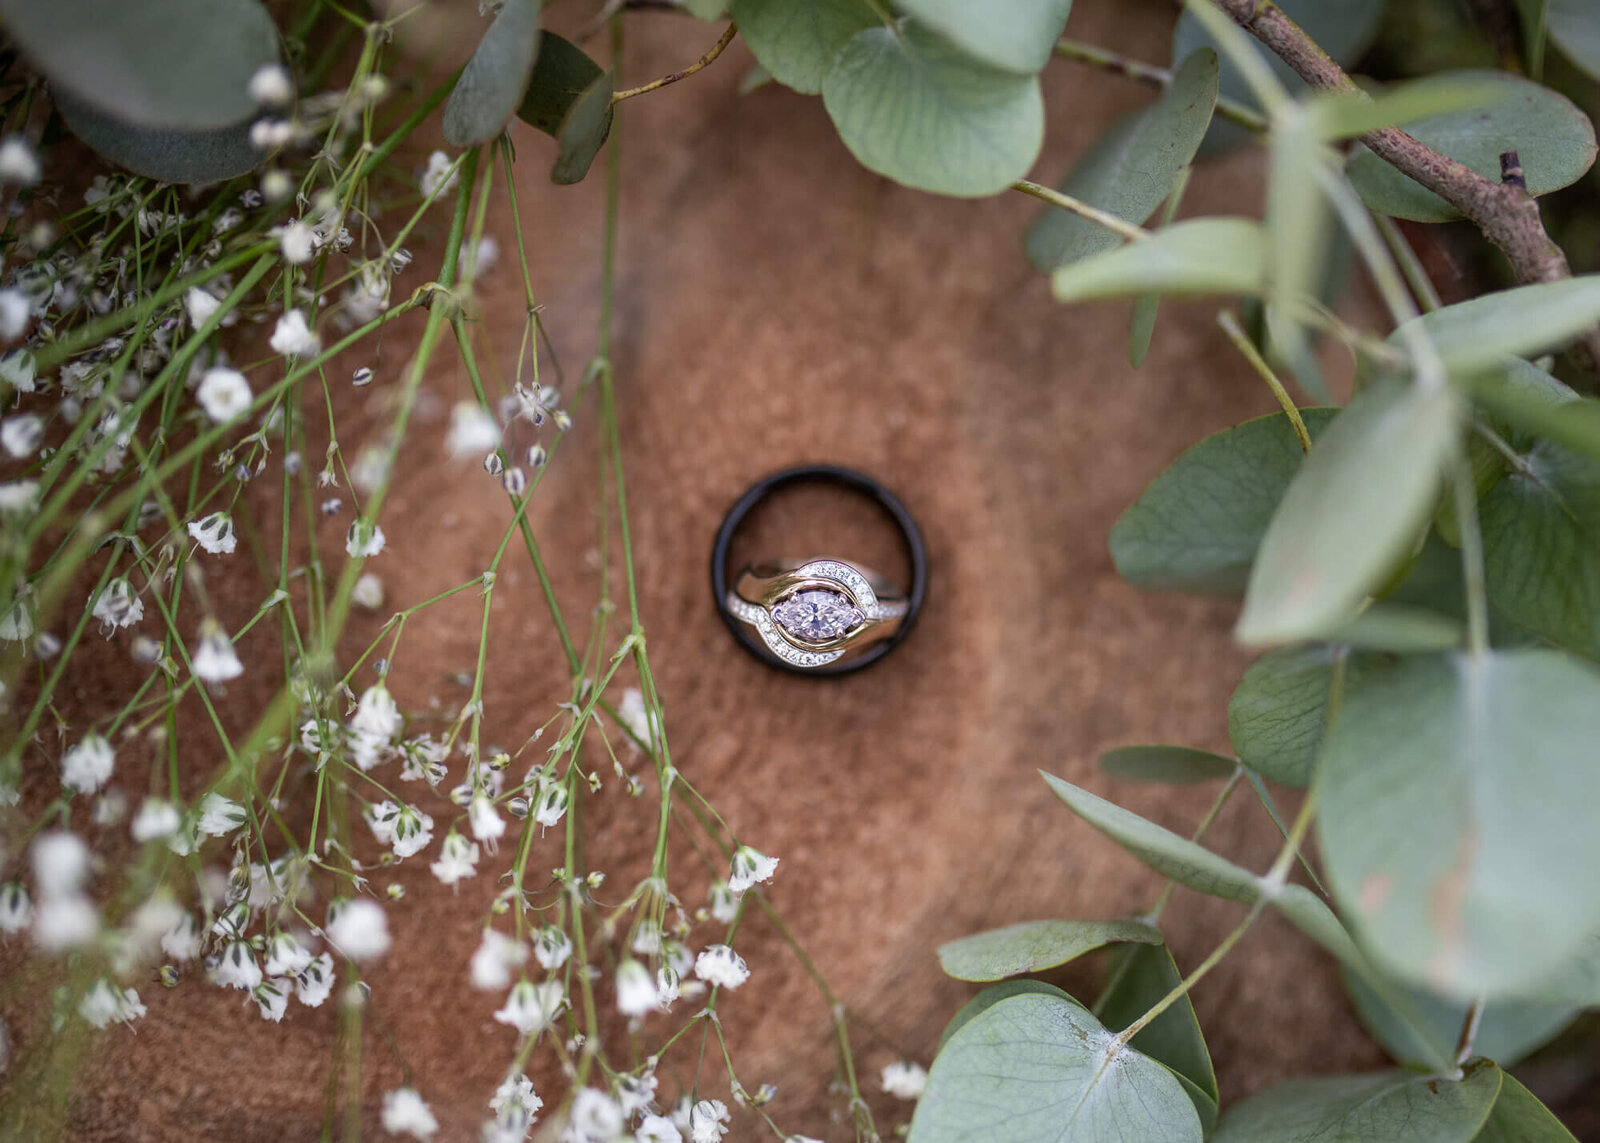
[(818, 615), (852, 585)]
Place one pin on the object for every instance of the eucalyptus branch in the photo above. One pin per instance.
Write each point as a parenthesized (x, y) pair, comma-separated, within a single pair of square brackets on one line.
[(699, 64), (1503, 211), (1151, 76), (1082, 209)]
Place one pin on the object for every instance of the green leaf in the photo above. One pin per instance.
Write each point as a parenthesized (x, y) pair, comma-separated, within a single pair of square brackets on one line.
[(562, 72), (1399, 628), (707, 9), (1531, 16), (1198, 525), (1518, 1117), (1344, 115), (1551, 410), (1577, 983), (493, 82), (1277, 714), (1033, 1069), (1572, 27), (1142, 326), (1132, 168), (1553, 139), (1508, 1029), (915, 109), (583, 131), (1177, 764), (1201, 256), (1013, 35), (989, 997), (1457, 818), (796, 40), (1035, 946), (1523, 321), (1541, 546), (1142, 976), (1357, 506), (1383, 1108), (179, 65), (167, 155)]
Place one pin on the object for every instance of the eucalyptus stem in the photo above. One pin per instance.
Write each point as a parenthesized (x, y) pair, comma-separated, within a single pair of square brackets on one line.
[(1094, 214), (1152, 76), (1241, 342)]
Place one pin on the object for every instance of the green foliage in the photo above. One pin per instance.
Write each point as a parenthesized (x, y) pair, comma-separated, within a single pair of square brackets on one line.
[(171, 156), (1202, 256), (1553, 139), (1179, 764), (989, 997), (1379, 1108), (1278, 713), (1014, 35), (1033, 1069), (569, 98), (1140, 977), (1571, 26), (797, 42), (1132, 168), (492, 84), (1520, 1118), (1035, 946)]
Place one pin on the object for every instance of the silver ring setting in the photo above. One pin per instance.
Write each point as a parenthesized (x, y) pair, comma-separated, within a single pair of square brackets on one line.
[(812, 613)]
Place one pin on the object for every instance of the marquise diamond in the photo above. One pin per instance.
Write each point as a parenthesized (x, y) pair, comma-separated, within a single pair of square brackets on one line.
[(818, 616)]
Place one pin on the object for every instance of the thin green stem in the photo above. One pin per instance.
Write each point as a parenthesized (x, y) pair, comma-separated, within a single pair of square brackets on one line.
[(1241, 342), (1094, 214)]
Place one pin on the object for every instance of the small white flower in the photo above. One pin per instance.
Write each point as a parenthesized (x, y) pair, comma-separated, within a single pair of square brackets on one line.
[(363, 538), (596, 1116), (472, 430), (87, 765), (458, 859), (724, 902), (904, 1079), (276, 186), (708, 1121), (634, 714), (529, 1008), (224, 394), (551, 804), (669, 986), (298, 242), (412, 831), (16, 910), (405, 1111), (377, 716), (720, 966), (214, 533), (292, 337), (314, 984), (21, 435), (657, 1129), (272, 998), (15, 312), (487, 826), (18, 163), (514, 1105), (367, 594), (17, 370), (270, 86), (286, 956), (220, 816), (515, 1091), (156, 819), (494, 959), (270, 134), (65, 923), (552, 947), (215, 660), (19, 496), (183, 940), (636, 991), (440, 175), (60, 863), (636, 1093), (749, 867), (359, 929), (237, 967), (200, 306), (105, 1002), (118, 605)]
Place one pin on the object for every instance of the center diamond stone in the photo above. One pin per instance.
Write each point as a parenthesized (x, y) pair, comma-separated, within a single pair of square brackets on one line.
[(817, 616)]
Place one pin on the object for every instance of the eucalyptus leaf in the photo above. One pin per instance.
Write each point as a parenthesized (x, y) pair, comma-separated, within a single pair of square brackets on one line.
[(1357, 506), (1531, 17), (1522, 321), (583, 131), (1400, 628), (178, 65), (562, 72), (1562, 418), (492, 84), (707, 9), (1175, 764), (1457, 818), (1141, 977), (1142, 326), (170, 156), (1033, 1069), (1131, 169), (1014, 35), (1571, 26), (1034, 946), (1383, 1108), (989, 997), (1344, 115), (1202, 256), (1278, 712), (796, 40), (1518, 1117), (1553, 139), (914, 108), (1198, 525)]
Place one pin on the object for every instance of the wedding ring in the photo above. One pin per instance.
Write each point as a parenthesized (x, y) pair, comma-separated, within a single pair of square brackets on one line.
[(823, 615)]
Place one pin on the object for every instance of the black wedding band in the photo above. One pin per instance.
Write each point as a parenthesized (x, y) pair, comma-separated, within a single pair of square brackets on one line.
[(910, 535)]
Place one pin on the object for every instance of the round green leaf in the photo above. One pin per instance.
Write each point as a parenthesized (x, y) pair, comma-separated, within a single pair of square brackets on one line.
[(1141, 977), (1518, 1117), (1015, 35), (912, 107), (796, 40), (492, 84), (1198, 525), (180, 65), (1544, 407), (1356, 507), (1201, 256), (1507, 1031), (1278, 712), (1035, 946), (1385, 1108), (1458, 796), (1553, 139), (1037, 1069), (562, 72), (583, 131), (1176, 764), (1132, 168), (1521, 321), (168, 155), (1572, 27), (989, 997)]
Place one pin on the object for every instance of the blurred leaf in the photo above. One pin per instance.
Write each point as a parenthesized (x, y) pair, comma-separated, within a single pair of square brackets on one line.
[(1518, 1117), (1013, 35), (1131, 169), (1142, 976), (1571, 26), (1457, 817), (1201, 256), (1032, 1069), (1176, 764), (562, 72), (583, 132), (989, 997), (1521, 321), (1541, 546), (797, 42), (1553, 140), (1278, 713), (1508, 1031), (1142, 326), (169, 156), (179, 65), (1531, 17), (1356, 507), (495, 78), (707, 9), (1577, 982), (1553, 412), (1198, 525), (1035, 946), (1401, 629), (915, 109), (1384, 1108), (1344, 115), (1264, 796)]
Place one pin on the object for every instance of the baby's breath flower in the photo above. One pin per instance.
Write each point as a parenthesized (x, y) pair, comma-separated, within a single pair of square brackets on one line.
[(472, 430), (276, 186), (413, 830), (18, 497), (514, 1104), (16, 909), (724, 902), (272, 998), (552, 947), (487, 825), (200, 306), (515, 481), (292, 337), (657, 1129), (60, 863), (106, 1002), (377, 715), (368, 295), (118, 606), (215, 660), (65, 922), (87, 765), (721, 967), (15, 312), (270, 86), (708, 1121), (214, 533), (271, 134), (440, 175), (596, 1116), (405, 1111), (314, 984), (636, 990), (529, 1007), (363, 538), (904, 1079), (458, 858), (18, 163), (224, 394), (16, 622), (493, 465), (220, 816), (182, 941), (22, 434), (156, 819), (551, 804), (298, 242), (17, 369), (358, 929), (749, 867), (286, 955), (237, 967), (494, 959)]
